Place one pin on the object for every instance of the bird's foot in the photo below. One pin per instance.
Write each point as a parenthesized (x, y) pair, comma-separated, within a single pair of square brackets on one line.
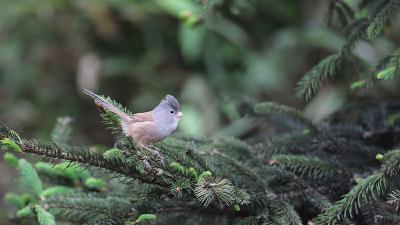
[(150, 170), (156, 153), (127, 152)]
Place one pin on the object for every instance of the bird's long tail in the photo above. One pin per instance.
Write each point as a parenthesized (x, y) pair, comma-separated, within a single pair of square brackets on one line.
[(104, 104)]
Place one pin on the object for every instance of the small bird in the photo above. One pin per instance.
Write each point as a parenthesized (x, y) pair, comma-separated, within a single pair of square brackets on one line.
[(147, 127)]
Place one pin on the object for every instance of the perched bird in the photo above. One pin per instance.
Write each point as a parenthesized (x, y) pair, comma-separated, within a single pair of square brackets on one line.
[(147, 127)]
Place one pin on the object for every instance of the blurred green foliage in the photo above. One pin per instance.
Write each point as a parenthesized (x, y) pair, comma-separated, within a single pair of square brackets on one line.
[(206, 52), (138, 51)]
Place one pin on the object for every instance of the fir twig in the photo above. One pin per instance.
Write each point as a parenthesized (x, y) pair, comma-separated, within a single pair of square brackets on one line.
[(317, 76), (369, 188), (270, 107), (62, 130), (306, 167), (385, 10), (394, 198)]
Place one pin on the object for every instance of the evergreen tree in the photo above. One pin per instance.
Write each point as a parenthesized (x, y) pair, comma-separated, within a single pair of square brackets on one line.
[(343, 171)]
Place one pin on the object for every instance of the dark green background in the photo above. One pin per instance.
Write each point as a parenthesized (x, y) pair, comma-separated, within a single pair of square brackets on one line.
[(206, 53)]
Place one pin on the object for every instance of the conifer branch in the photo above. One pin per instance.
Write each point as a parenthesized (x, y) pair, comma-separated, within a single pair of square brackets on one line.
[(371, 27), (211, 189), (102, 220), (394, 199), (83, 155), (83, 207), (284, 213), (264, 217), (385, 10), (271, 107), (181, 151), (239, 167), (285, 143), (62, 130), (388, 67), (369, 188), (391, 60), (281, 213), (389, 219), (391, 166), (306, 167), (344, 11), (318, 75)]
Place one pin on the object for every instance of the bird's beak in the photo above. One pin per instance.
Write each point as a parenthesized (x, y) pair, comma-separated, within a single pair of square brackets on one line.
[(180, 114)]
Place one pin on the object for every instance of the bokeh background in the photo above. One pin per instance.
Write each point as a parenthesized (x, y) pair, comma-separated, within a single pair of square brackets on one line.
[(208, 53)]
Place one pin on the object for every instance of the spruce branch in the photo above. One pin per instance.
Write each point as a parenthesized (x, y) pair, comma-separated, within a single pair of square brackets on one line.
[(284, 143), (370, 212), (193, 154), (29, 177), (241, 196), (391, 166), (5, 132), (370, 26), (290, 187), (174, 149), (271, 107), (281, 213), (306, 167), (207, 189), (233, 146), (62, 130), (239, 167), (44, 217), (85, 207), (394, 198), (388, 219), (388, 66), (319, 201), (264, 217), (210, 189), (284, 213), (355, 32), (368, 189), (326, 68), (343, 10), (318, 75), (391, 60), (103, 220), (385, 10), (84, 155), (64, 171)]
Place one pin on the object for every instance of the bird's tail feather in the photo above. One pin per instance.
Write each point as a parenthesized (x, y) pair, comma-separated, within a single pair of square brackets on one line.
[(106, 105)]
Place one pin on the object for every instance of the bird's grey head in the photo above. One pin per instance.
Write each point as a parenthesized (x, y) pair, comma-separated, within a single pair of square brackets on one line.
[(171, 102), (168, 112)]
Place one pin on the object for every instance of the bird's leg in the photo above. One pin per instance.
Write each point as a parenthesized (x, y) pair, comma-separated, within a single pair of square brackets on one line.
[(155, 148), (126, 151), (150, 170), (154, 152)]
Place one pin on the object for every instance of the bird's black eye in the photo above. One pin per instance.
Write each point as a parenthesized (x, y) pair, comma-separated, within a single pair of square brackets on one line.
[(171, 111)]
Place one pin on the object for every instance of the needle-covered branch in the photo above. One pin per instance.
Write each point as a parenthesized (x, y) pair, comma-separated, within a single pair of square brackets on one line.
[(83, 155), (367, 190)]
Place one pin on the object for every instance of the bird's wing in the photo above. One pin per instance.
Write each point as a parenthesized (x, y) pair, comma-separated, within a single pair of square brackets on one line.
[(142, 133), (142, 117)]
